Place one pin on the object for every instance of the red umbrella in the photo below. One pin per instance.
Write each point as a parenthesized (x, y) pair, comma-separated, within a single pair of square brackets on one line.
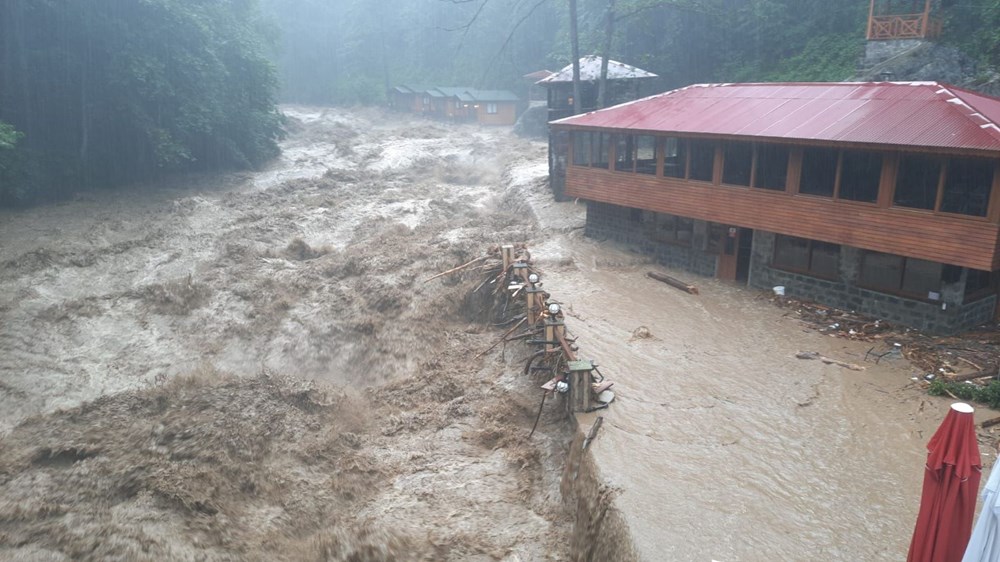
[(951, 484)]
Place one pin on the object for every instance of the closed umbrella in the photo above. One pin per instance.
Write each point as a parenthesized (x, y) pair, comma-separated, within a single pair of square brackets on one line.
[(984, 546), (951, 482)]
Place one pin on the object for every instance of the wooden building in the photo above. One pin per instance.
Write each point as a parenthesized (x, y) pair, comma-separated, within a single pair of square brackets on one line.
[(451, 104), (878, 197), (624, 84), (412, 99), (494, 107), (486, 107)]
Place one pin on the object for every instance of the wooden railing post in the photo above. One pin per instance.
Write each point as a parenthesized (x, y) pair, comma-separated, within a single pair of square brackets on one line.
[(507, 254)]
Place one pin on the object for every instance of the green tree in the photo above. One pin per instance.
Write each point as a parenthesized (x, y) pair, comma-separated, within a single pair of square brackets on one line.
[(109, 92)]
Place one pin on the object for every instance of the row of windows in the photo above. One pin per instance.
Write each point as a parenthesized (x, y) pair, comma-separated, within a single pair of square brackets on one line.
[(950, 185), (882, 272)]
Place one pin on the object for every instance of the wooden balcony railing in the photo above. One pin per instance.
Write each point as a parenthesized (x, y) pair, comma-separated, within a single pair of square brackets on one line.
[(905, 26)]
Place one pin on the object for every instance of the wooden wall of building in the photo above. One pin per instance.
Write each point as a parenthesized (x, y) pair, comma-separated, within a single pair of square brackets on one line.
[(506, 113), (965, 241)]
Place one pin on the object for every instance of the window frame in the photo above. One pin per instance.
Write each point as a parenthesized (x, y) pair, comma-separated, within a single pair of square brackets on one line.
[(809, 270), (899, 292), (945, 163)]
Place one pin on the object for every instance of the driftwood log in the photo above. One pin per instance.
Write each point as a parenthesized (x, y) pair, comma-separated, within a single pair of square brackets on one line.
[(673, 282)]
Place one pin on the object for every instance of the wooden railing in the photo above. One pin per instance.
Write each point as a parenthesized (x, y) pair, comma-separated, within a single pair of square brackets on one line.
[(905, 26)]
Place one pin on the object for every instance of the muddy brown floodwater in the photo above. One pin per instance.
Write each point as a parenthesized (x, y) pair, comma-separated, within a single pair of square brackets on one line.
[(251, 367)]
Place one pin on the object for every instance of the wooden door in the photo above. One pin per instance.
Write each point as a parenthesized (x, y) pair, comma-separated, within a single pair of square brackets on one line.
[(726, 266)]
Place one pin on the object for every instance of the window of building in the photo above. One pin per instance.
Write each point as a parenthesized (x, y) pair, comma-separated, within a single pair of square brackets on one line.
[(458, 104), (771, 170), (717, 234), (860, 172), (635, 153), (624, 153), (491, 108), (645, 154), (602, 150), (897, 274), (671, 229), (702, 159), (581, 148), (917, 182), (819, 171), (737, 163), (967, 186), (977, 284), (674, 158), (812, 257)]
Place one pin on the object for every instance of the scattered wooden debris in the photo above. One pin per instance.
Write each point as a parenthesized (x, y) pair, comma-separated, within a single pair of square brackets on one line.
[(673, 282), (828, 360)]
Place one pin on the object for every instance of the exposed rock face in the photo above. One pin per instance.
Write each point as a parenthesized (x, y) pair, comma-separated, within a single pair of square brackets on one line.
[(918, 60)]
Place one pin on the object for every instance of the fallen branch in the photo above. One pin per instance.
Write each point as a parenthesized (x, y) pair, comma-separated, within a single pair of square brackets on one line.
[(593, 431), (502, 339), (686, 287), (828, 360), (457, 269)]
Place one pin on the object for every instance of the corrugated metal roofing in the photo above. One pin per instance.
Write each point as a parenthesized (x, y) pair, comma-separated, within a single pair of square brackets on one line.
[(925, 114), (590, 70)]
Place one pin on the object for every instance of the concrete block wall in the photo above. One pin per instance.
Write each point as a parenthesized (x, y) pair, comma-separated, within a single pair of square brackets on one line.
[(844, 293)]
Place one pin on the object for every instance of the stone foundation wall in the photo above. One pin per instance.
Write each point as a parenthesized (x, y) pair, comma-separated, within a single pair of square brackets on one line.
[(625, 226), (948, 315)]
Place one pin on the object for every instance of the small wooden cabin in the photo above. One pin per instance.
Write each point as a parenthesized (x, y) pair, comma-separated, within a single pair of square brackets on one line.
[(494, 107), (451, 104), (878, 197)]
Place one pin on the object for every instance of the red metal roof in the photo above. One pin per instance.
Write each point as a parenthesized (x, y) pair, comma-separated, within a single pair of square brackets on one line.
[(925, 114)]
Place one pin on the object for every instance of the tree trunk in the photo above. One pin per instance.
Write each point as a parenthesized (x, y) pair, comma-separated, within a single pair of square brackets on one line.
[(609, 33), (574, 40)]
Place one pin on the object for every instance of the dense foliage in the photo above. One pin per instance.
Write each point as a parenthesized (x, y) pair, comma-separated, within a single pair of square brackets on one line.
[(988, 395), (107, 92), (350, 51)]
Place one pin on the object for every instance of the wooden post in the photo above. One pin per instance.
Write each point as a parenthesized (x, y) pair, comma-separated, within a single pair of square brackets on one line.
[(550, 334), (507, 253), (535, 299), (529, 301), (580, 379)]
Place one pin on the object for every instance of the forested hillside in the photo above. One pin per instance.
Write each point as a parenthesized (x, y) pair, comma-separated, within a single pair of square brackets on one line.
[(107, 92), (349, 51)]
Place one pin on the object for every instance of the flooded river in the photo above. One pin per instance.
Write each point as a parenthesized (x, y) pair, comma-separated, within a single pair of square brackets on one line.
[(723, 444)]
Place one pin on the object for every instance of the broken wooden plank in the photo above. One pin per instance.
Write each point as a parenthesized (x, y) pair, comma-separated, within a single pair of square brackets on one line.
[(673, 282)]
